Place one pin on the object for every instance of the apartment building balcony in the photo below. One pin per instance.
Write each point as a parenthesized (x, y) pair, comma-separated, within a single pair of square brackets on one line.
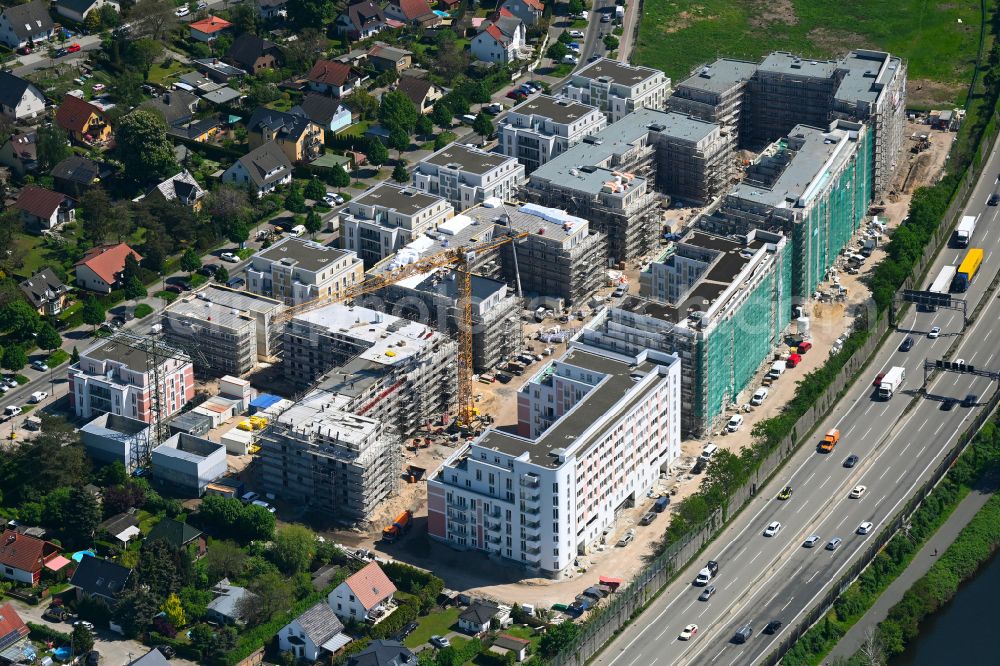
[(530, 481), (495, 540), (531, 497), (533, 525), (533, 551), (530, 510), (492, 526)]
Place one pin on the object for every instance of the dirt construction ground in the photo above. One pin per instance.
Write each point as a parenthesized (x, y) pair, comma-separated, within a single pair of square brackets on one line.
[(473, 572)]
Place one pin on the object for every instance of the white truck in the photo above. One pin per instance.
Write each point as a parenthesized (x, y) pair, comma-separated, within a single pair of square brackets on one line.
[(964, 231), (777, 369), (891, 382)]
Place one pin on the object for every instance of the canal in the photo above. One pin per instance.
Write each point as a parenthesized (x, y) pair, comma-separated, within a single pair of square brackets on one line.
[(965, 627)]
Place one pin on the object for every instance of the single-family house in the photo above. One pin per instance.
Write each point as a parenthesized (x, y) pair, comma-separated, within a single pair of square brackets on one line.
[(13, 630), (152, 658), (300, 139), (384, 57), (361, 20), (75, 175), (316, 631), (253, 54), (529, 11), (25, 24), (101, 268), (85, 122), (227, 606), (220, 71), (122, 528), (415, 13), (44, 209), (269, 9), (422, 93), (19, 153), (476, 618), (23, 557), (176, 106), (325, 111), (334, 78), (355, 58), (79, 10), (383, 653), (507, 644), (103, 579), (209, 28), (500, 40), (45, 292), (19, 99), (365, 595), (178, 534), (261, 170), (199, 130), (180, 187)]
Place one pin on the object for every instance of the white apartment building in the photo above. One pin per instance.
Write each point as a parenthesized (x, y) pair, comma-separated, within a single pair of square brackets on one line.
[(594, 431), (467, 176), (618, 89), (112, 378), (295, 270), (387, 217), (539, 129)]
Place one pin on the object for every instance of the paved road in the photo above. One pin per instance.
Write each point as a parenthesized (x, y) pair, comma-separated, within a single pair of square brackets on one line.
[(763, 579)]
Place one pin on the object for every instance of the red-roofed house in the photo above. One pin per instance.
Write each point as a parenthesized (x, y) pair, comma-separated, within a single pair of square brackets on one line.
[(44, 209), (23, 557), (209, 29), (101, 268), (12, 627), (529, 11), (335, 78), (365, 595), (500, 40), (412, 12), (85, 122)]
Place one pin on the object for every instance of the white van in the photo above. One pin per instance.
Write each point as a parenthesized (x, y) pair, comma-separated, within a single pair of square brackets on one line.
[(298, 230), (759, 396), (734, 423), (709, 450), (11, 411)]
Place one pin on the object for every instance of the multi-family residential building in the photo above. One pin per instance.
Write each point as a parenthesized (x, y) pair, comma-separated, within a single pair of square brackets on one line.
[(386, 217), (295, 270), (300, 139), (260, 171), (336, 463), (595, 429), (187, 464), (397, 372), (542, 128), (618, 88), (25, 24), (233, 330), (19, 99), (720, 304), (468, 176), (114, 378)]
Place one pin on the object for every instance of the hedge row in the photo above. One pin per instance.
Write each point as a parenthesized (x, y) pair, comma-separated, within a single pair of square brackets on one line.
[(41, 632)]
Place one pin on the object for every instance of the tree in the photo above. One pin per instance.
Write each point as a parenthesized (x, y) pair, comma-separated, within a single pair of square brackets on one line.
[(190, 261), (93, 22), (244, 18), (228, 204), (313, 222), (576, 7), (110, 18), (143, 54), (51, 147), (174, 611), (82, 639), (399, 173), (451, 59), (95, 215), (564, 37), (134, 289), (14, 358), (82, 516), (257, 523), (127, 87), (225, 559), (425, 126), (482, 125), (339, 177), (377, 153), (143, 146), (314, 190), (557, 51), (294, 201), (272, 593), (441, 115), (153, 18), (48, 337), (400, 140), (310, 13), (558, 638), (94, 312), (222, 275), (135, 610), (396, 112), (440, 141), (610, 42), (74, 356), (293, 550), (20, 320)]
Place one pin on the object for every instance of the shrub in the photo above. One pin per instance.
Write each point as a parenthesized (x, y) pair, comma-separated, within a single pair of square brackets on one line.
[(143, 310)]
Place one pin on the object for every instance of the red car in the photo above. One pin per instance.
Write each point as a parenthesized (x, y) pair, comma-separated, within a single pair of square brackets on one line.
[(517, 94), (803, 347), (794, 360), (24, 50), (72, 48), (878, 380)]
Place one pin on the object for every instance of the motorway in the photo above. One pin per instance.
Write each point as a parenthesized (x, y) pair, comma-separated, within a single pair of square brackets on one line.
[(777, 578)]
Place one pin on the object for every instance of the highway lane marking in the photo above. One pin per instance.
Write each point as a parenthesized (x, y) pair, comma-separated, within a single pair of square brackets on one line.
[(939, 428), (880, 500), (987, 336), (704, 611), (809, 479), (887, 405), (900, 477), (735, 659), (659, 636), (635, 660), (865, 436), (755, 557), (908, 444), (802, 505), (815, 573), (837, 528), (771, 600), (825, 482), (886, 471), (869, 408), (730, 583), (788, 604)]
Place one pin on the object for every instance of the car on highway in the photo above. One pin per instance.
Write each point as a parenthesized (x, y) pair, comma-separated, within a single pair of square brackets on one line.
[(851, 461), (833, 543), (735, 421), (811, 541), (707, 593), (878, 379), (440, 641), (37, 397), (743, 634), (182, 11), (689, 632), (41, 366), (993, 200), (785, 493), (971, 400), (948, 404), (759, 396), (627, 538), (772, 529), (230, 257), (858, 491), (772, 627), (864, 528), (907, 344), (934, 333), (709, 572)]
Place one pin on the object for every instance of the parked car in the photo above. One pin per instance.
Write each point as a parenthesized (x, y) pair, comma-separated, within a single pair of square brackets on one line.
[(37, 397), (759, 396), (406, 631), (503, 377), (440, 641), (250, 497), (735, 421), (569, 60), (60, 53), (236, 283), (73, 48), (266, 505), (41, 366), (648, 518), (627, 538), (230, 257), (93, 658), (54, 614), (89, 626), (182, 11), (167, 651), (209, 270), (10, 382), (24, 50)]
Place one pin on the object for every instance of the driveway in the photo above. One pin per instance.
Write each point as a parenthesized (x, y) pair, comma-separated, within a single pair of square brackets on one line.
[(115, 650)]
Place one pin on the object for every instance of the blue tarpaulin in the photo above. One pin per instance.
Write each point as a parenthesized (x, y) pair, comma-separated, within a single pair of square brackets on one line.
[(263, 401)]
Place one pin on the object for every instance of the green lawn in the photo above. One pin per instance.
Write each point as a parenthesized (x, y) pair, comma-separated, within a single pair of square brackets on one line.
[(357, 129), (677, 36), (434, 624), (160, 73)]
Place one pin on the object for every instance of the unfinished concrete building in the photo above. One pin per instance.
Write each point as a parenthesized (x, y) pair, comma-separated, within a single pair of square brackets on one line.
[(398, 372), (330, 461), (719, 304), (787, 91), (618, 88)]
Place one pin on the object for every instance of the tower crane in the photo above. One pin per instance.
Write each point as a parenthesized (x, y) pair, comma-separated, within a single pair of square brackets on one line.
[(459, 259)]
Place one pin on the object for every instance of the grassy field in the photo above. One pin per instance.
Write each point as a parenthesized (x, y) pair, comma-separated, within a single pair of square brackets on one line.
[(939, 40), (435, 624)]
